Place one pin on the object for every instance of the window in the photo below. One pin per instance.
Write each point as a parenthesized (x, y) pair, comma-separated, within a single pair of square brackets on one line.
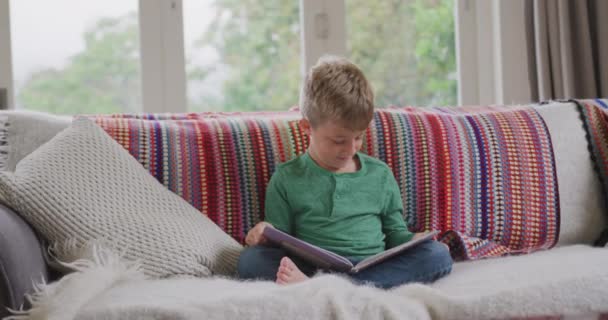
[(217, 55), (86, 63), (242, 55), (406, 49)]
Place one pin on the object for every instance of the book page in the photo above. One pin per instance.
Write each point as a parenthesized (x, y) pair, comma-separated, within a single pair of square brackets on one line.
[(367, 262)]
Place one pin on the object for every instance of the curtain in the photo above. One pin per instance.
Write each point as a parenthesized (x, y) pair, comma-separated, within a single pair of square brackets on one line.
[(567, 42)]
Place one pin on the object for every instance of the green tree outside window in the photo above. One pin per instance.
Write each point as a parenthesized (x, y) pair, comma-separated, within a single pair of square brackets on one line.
[(406, 48)]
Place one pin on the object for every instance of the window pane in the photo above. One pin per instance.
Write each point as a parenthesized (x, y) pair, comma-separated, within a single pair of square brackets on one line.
[(86, 63), (242, 55), (406, 49)]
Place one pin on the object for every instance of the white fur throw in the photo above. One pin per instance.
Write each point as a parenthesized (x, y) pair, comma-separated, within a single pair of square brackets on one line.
[(82, 186), (104, 288), (107, 288)]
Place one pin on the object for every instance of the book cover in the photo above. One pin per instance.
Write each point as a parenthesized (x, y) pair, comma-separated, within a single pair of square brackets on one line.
[(325, 259)]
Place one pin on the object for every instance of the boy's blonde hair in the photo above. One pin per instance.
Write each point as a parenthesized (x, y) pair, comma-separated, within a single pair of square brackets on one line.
[(336, 89)]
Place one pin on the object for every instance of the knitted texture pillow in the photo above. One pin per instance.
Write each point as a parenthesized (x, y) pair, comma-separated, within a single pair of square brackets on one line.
[(83, 187)]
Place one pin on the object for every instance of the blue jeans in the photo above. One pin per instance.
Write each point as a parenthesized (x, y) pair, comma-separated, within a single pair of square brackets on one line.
[(426, 262)]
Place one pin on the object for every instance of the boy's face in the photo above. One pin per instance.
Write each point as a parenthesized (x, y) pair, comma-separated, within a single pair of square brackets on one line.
[(333, 146)]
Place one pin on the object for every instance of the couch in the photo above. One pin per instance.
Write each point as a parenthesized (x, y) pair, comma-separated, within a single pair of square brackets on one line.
[(559, 272)]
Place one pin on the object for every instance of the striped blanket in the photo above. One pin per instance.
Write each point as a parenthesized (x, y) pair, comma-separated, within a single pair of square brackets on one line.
[(484, 176)]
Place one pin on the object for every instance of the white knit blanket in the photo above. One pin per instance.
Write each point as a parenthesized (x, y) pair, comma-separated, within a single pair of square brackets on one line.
[(105, 287)]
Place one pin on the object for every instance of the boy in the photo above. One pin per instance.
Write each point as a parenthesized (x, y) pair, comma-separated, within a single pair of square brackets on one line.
[(335, 197)]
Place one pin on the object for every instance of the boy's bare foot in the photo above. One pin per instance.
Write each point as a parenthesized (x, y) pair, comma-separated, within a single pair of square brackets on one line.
[(288, 272)]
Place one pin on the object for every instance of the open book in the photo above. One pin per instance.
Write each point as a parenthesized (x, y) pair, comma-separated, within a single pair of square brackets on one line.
[(324, 259)]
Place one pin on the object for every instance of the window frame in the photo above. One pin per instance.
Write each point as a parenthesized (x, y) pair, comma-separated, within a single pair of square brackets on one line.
[(491, 46), (323, 30), (6, 61), (163, 64)]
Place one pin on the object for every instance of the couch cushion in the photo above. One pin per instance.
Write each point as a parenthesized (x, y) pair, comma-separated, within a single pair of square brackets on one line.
[(595, 116), (489, 276), (82, 186), (582, 213), (582, 203), (21, 261), (561, 282)]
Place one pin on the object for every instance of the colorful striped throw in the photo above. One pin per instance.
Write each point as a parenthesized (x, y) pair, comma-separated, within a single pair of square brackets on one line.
[(485, 176)]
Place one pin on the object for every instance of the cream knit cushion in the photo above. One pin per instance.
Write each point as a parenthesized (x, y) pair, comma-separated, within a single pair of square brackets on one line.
[(82, 187)]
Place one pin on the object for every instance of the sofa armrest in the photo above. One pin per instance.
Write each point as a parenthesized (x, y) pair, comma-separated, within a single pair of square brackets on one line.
[(21, 261)]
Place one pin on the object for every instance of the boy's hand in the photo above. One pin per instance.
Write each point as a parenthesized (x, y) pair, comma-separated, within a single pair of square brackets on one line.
[(255, 236), (420, 234)]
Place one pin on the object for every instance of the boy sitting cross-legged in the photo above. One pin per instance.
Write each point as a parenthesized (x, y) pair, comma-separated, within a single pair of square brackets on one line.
[(337, 198)]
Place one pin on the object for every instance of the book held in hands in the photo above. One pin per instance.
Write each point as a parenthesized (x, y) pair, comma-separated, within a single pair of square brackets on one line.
[(325, 259)]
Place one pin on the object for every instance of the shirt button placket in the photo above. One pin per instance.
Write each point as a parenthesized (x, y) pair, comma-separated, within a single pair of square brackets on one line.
[(336, 195), (338, 188)]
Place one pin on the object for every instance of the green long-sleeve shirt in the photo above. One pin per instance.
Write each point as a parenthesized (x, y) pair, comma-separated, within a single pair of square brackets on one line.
[(352, 214)]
